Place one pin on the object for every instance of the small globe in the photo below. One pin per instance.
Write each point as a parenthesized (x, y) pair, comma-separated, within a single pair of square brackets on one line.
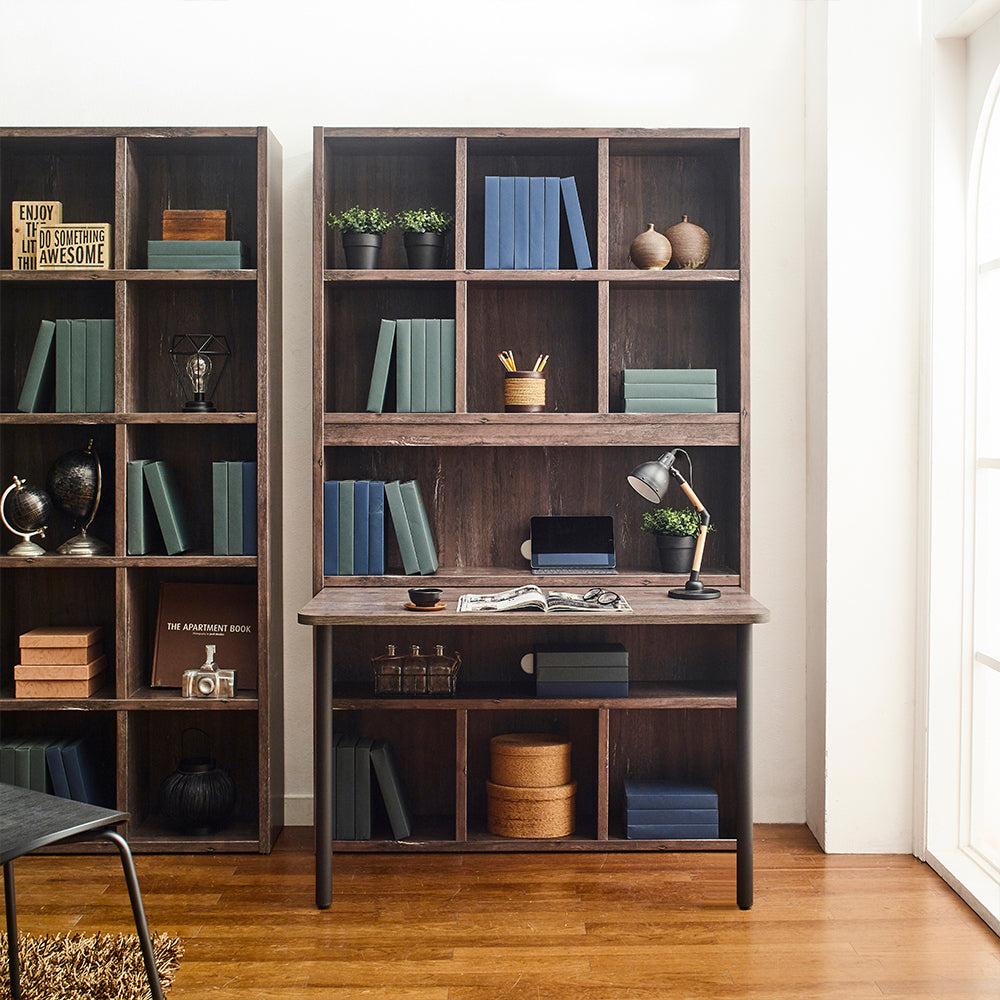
[(73, 483), (29, 509)]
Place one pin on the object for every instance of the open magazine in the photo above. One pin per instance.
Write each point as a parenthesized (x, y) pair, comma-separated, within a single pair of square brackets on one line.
[(532, 598)]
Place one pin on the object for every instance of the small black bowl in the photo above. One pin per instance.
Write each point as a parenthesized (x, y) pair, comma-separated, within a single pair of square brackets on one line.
[(425, 597)]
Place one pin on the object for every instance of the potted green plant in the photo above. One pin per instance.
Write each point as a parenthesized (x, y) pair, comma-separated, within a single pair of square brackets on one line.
[(423, 235), (361, 230), (676, 531)]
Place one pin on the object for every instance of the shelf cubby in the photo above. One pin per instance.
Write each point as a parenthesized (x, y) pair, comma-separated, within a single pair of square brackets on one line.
[(555, 318), (660, 180), (158, 311), (397, 174), (353, 315), (77, 170), (193, 171), (23, 305), (530, 156), (677, 327)]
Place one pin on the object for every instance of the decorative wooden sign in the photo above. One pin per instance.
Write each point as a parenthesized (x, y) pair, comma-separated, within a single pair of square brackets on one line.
[(194, 223), (74, 246), (25, 219)]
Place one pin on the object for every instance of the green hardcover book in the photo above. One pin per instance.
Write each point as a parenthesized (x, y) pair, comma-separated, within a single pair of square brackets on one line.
[(194, 248), (138, 510), (670, 406), (391, 788), (347, 527), (220, 508), (7, 762), (63, 358), (420, 528), (380, 369), (206, 263), (404, 537), (93, 367), (403, 342), (167, 505), (236, 512), (433, 366), (670, 390), (591, 654), (107, 366), (22, 764), (363, 790), (584, 675), (337, 737), (37, 388), (78, 366), (344, 755), (696, 375), (39, 772), (447, 366), (418, 366)]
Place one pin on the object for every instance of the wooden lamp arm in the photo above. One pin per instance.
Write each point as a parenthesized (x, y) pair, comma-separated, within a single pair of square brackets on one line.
[(704, 516)]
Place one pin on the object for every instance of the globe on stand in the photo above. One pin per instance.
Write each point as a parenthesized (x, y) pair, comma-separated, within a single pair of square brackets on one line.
[(75, 484), (30, 510)]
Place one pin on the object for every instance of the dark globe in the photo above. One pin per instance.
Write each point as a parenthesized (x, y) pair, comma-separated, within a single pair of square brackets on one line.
[(73, 482), (29, 509)]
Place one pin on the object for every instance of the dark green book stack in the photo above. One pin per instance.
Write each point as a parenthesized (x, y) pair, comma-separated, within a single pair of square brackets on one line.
[(413, 529), (425, 366), (234, 508), (356, 761), (138, 510), (167, 504), (82, 366), (670, 390), (197, 255), (38, 385)]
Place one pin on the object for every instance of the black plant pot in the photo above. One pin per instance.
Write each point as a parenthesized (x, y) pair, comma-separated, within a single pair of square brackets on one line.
[(424, 250), (361, 250), (676, 553)]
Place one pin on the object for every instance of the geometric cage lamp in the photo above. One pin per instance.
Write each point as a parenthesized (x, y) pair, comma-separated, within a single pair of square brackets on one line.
[(651, 481)]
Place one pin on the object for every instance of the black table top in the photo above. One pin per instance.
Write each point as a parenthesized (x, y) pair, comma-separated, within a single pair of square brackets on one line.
[(29, 820)]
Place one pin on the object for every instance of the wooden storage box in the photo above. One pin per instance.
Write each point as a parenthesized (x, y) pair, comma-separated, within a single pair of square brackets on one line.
[(530, 813), (530, 760)]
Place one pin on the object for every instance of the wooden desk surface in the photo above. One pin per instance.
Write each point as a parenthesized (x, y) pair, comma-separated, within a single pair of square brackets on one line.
[(651, 606)]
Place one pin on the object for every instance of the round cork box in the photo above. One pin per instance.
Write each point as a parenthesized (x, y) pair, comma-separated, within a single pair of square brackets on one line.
[(529, 760), (530, 813)]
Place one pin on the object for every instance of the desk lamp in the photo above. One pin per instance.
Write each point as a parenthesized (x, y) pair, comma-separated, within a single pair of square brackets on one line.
[(651, 480)]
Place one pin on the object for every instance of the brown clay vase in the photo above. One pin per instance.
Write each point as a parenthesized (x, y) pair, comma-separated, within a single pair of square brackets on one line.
[(691, 244), (650, 250)]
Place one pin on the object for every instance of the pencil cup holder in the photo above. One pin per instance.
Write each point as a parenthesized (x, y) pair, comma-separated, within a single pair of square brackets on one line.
[(524, 392)]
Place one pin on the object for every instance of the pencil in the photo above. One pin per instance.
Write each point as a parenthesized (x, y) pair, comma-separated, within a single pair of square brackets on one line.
[(545, 361)]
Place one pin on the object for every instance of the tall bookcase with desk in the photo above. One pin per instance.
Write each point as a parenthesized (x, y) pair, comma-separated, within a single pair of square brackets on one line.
[(484, 473)]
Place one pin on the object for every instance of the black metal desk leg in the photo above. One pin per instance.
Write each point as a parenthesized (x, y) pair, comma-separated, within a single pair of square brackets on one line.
[(744, 781), (323, 763), (10, 904), (138, 913)]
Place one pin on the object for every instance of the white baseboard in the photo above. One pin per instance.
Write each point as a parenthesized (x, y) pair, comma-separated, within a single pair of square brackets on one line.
[(299, 810)]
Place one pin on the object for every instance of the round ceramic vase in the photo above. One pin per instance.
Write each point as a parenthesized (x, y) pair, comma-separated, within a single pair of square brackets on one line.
[(650, 250), (691, 244)]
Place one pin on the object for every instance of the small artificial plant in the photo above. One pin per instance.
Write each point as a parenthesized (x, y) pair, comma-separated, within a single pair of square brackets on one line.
[(672, 521), (423, 220), (360, 220)]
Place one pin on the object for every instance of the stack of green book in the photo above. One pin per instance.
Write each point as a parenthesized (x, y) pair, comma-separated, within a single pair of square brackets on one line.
[(355, 761), (72, 364), (194, 255), (234, 508), (425, 366), (151, 495), (670, 390)]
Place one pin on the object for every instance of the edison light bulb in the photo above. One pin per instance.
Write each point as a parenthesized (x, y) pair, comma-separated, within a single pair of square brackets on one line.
[(198, 369)]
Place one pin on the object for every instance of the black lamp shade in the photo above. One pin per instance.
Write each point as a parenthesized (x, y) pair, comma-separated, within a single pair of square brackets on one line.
[(650, 480)]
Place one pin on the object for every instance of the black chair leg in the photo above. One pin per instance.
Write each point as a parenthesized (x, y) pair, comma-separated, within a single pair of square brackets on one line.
[(138, 913), (13, 964)]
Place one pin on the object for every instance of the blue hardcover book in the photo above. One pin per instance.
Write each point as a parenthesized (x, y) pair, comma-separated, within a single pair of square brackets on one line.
[(574, 218), (403, 342), (447, 366), (361, 527), (491, 250), (376, 528), (418, 366), (80, 773), (331, 526), (708, 831), (522, 217), (581, 689), (669, 795), (506, 223), (57, 769), (672, 817), (550, 238), (536, 223), (249, 508)]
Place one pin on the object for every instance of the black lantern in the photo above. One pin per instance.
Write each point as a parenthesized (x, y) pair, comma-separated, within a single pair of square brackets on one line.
[(199, 361), (199, 797)]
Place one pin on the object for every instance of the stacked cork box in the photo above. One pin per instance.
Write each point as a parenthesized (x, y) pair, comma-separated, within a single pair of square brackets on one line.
[(66, 662), (530, 793)]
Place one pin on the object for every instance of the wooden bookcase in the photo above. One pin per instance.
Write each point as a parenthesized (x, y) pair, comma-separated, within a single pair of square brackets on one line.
[(483, 472), (127, 177)]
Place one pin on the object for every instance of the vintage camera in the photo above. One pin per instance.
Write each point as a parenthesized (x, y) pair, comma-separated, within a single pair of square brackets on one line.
[(208, 681)]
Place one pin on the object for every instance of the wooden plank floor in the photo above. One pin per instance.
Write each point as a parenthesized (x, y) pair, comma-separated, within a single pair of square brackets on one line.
[(542, 927)]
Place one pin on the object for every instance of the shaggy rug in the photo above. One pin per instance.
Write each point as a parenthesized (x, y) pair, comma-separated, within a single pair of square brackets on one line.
[(87, 966)]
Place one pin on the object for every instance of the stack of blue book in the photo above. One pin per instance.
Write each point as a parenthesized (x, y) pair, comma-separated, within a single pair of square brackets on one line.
[(67, 768), (670, 390), (670, 810), (581, 670), (522, 223)]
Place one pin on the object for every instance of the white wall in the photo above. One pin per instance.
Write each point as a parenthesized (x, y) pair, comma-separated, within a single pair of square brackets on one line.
[(294, 65)]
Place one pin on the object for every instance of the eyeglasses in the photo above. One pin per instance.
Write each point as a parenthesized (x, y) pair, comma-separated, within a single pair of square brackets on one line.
[(603, 597)]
